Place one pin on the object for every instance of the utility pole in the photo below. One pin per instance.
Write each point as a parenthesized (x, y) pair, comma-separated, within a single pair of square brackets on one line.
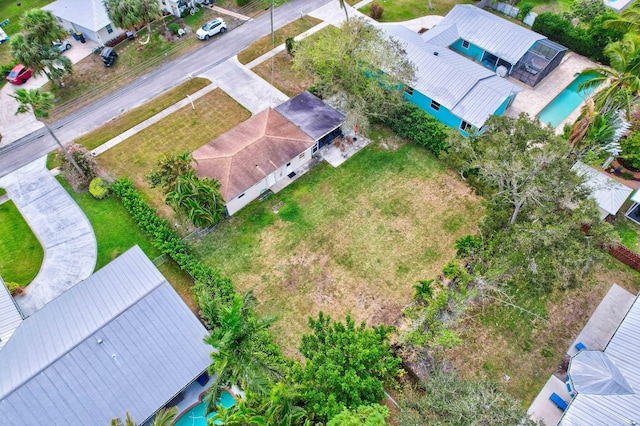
[(273, 37)]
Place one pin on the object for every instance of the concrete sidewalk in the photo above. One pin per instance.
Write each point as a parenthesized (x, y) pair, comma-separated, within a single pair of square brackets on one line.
[(70, 248)]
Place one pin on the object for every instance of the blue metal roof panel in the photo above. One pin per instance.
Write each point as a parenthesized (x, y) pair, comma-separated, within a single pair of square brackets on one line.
[(492, 33), (10, 317)]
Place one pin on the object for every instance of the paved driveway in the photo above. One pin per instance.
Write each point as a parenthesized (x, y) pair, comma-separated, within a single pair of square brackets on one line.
[(63, 230)]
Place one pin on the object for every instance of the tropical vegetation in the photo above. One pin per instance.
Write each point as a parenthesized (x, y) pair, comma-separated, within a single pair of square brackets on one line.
[(133, 14)]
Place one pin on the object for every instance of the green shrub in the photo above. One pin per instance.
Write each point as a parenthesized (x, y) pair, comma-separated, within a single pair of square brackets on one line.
[(524, 9), (174, 28), (418, 126), (14, 288), (6, 68), (631, 150), (376, 11), (290, 43), (98, 188)]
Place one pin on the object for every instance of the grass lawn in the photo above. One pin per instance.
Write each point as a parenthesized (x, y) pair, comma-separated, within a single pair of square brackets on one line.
[(20, 251), (500, 340), (263, 45), (405, 10), (278, 72), (184, 130), (349, 240), (555, 6), (137, 115), (628, 232)]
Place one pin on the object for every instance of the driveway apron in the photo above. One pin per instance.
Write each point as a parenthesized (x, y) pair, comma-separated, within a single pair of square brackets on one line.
[(246, 87), (69, 244)]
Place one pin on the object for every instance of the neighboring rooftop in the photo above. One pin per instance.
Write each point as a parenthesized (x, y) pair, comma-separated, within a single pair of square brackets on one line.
[(250, 152), (608, 192), (87, 13), (10, 316), (464, 87), (494, 34), (311, 114), (122, 340)]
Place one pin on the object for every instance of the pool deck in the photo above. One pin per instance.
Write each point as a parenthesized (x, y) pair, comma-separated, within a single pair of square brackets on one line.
[(533, 100)]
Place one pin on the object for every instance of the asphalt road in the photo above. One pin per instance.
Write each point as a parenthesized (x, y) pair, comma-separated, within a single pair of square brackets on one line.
[(213, 52)]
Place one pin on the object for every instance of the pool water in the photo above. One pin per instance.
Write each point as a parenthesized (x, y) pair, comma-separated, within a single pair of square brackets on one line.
[(195, 415), (566, 102)]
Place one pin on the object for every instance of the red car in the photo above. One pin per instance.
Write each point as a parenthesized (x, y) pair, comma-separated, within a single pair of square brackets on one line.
[(19, 74)]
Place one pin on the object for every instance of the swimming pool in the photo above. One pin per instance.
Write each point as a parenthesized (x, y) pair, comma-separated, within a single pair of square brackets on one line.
[(566, 102), (195, 415)]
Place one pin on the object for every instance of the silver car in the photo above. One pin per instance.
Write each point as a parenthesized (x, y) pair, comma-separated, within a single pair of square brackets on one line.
[(211, 28), (62, 45)]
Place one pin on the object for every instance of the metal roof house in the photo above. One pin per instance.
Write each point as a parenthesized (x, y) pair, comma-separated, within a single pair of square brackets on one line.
[(608, 193), (457, 91), (607, 383), (264, 150), (86, 16), (120, 340), (10, 315), (498, 44)]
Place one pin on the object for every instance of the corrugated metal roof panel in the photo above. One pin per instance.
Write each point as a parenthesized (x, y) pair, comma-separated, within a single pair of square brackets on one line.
[(441, 35), (10, 317), (613, 410), (151, 349), (492, 33)]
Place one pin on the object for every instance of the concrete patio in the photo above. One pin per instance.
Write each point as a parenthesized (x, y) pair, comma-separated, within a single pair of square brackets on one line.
[(595, 335), (335, 154)]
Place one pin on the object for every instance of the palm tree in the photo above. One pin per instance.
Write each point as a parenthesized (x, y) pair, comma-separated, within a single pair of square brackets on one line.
[(197, 199), (41, 103), (236, 359), (131, 14), (128, 421), (41, 58), (623, 76), (628, 21), (164, 417), (343, 5), (42, 27)]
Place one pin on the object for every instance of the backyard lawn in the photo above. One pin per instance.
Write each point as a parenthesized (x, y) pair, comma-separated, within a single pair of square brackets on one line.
[(263, 45), (20, 251), (349, 240), (404, 10), (183, 130)]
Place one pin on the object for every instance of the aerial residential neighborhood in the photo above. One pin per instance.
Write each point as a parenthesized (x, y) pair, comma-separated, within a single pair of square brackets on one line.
[(319, 212)]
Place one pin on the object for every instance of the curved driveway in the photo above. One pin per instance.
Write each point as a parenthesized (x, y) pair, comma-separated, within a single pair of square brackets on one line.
[(69, 244)]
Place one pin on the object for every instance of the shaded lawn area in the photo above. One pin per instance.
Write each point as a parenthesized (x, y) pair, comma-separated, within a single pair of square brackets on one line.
[(628, 232), (116, 232), (183, 130), (349, 240), (499, 339), (263, 45), (137, 115), (20, 251), (405, 10), (277, 71)]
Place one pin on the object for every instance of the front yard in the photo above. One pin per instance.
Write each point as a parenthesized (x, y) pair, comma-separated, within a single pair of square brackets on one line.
[(20, 251), (349, 240)]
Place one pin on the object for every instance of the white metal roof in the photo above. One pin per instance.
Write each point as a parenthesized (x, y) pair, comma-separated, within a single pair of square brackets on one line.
[(442, 35), (469, 90), (10, 316), (608, 192), (623, 350), (120, 340), (90, 14), (492, 33)]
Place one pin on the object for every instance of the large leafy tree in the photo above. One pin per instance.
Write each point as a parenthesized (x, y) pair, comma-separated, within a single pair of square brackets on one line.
[(345, 365), (623, 77), (132, 14), (33, 47), (198, 200), (41, 102), (238, 358), (358, 69), (446, 399)]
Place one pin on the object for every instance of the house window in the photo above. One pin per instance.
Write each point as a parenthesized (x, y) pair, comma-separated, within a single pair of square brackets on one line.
[(301, 156), (465, 44), (435, 105), (289, 163), (465, 126), (315, 148), (408, 90), (241, 195), (109, 28)]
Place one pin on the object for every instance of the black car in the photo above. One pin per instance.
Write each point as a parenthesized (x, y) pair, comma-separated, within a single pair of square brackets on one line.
[(108, 56)]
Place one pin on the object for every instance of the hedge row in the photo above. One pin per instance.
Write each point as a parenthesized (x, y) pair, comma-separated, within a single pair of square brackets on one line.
[(168, 241), (588, 42), (420, 127)]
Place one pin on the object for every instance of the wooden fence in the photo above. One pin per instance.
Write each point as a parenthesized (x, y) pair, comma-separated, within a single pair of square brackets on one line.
[(625, 256)]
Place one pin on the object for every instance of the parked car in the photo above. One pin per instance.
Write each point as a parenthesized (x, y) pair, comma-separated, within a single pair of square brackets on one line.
[(62, 45), (108, 56), (211, 28), (19, 74)]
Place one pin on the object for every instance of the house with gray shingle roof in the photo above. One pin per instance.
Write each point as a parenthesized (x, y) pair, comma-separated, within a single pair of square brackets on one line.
[(122, 340)]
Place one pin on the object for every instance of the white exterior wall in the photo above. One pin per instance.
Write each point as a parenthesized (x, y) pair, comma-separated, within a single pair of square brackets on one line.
[(256, 190)]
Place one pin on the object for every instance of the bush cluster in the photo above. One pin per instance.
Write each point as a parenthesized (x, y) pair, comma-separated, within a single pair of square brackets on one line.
[(588, 41), (168, 241), (376, 11), (418, 126), (98, 188)]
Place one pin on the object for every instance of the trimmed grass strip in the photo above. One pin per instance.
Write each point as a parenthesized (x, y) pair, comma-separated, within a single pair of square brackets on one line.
[(20, 251)]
